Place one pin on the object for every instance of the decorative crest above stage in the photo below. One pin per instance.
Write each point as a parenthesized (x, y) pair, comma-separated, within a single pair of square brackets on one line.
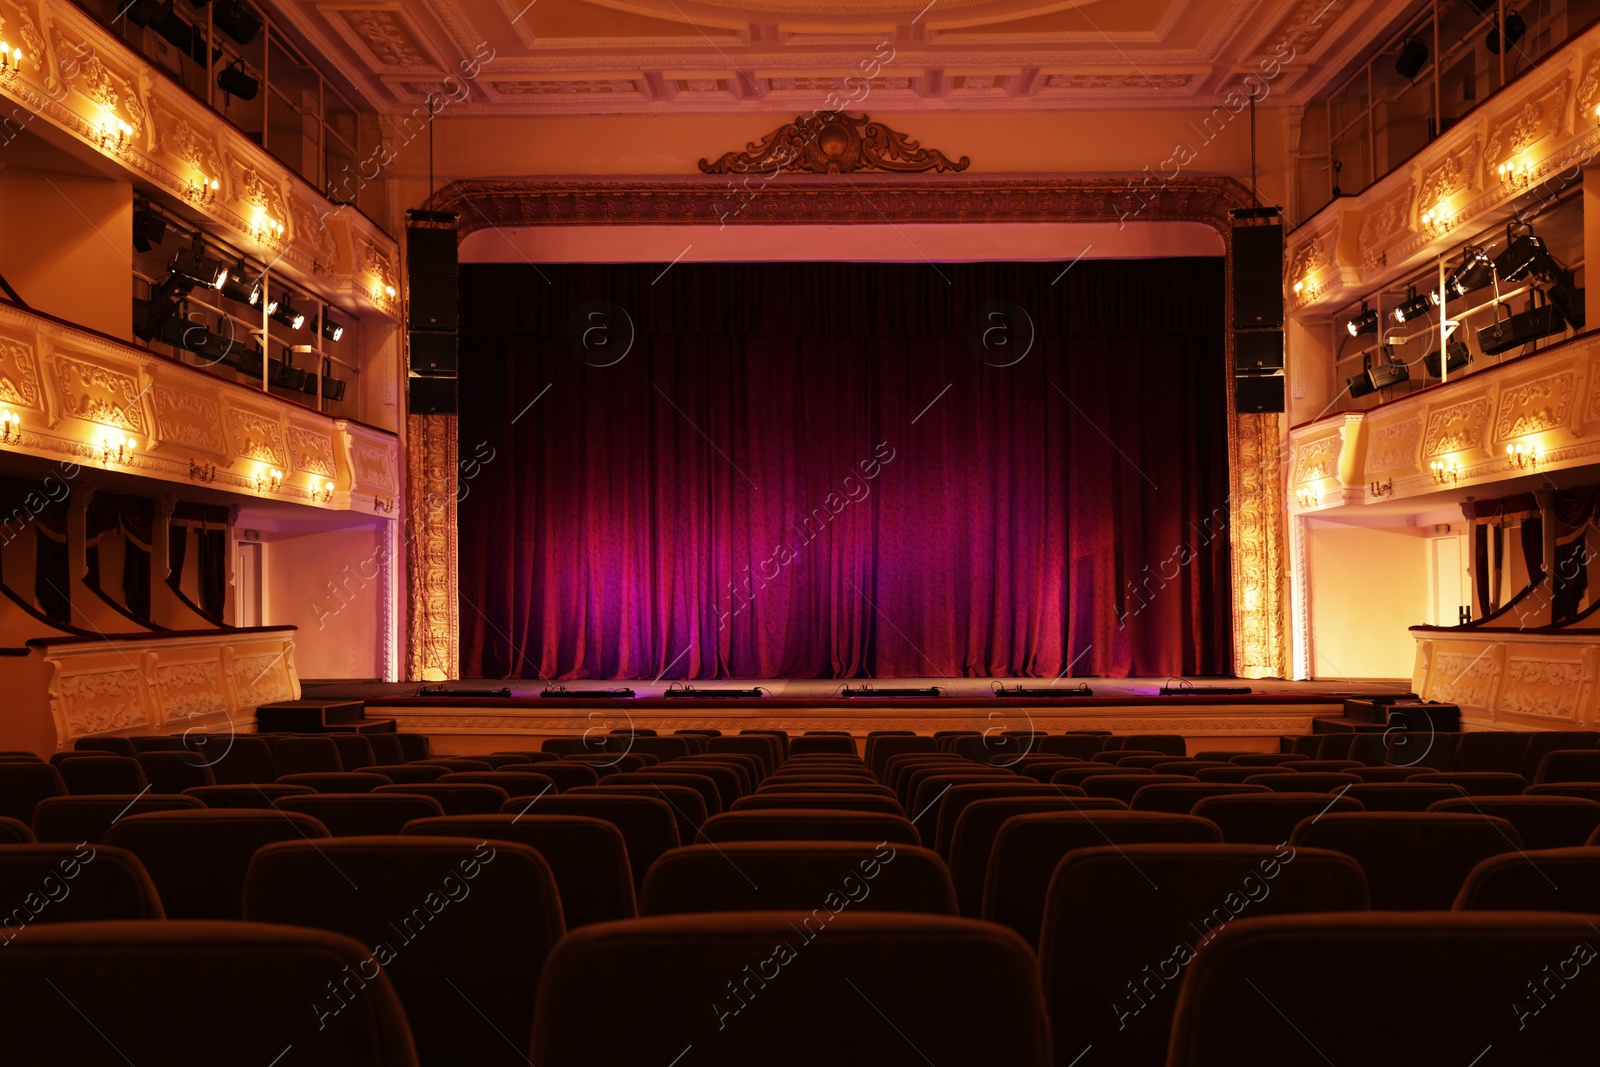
[(834, 143)]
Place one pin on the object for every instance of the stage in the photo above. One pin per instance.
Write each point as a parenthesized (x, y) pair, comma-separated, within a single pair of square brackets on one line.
[(482, 723)]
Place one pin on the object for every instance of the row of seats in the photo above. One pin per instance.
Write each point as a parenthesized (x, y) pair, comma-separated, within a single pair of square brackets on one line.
[(947, 886)]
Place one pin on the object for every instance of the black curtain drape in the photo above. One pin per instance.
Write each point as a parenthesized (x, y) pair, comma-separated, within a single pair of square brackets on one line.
[(844, 470), (134, 517)]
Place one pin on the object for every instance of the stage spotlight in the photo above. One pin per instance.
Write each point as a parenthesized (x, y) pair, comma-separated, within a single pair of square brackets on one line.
[(1515, 28), (1522, 255), (1476, 271), (1365, 322), (190, 336), (283, 312), (1459, 356), (239, 287), (235, 82), (1520, 329), (330, 329), (149, 229), (236, 20), (1385, 374), (151, 315), (1415, 306), (1413, 54), (192, 266)]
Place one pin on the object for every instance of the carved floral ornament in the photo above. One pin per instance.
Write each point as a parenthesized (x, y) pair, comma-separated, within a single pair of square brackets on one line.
[(834, 143)]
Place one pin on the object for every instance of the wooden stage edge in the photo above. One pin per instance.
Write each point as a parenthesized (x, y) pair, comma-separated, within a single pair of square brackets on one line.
[(467, 724)]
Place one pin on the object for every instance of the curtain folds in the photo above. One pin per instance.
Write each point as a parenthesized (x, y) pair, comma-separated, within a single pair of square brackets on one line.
[(844, 470)]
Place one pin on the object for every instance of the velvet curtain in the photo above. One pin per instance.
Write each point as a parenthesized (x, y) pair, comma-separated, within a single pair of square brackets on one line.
[(844, 470)]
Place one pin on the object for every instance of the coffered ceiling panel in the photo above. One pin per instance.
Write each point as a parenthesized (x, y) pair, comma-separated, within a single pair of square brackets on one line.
[(629, 56)]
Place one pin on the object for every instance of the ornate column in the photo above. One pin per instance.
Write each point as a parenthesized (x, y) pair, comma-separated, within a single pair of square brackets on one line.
[(1256, 515), (432, 627)]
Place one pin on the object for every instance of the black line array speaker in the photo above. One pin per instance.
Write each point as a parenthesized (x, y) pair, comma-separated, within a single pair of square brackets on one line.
[(431, 396), (1257, 351), (433, 315), (1257, 276), (1258, 393)]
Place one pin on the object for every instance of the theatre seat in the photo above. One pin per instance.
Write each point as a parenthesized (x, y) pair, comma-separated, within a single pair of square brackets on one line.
[(715, 796), (881, 747), (305, 755), (1555, 879), (1028, 848), (103, 775), (1582, 790), (1413, 861), (1267, 759), (1122, 923), (1451, 987), (1543, 742), (541, 757), (1077, 772), (337, 781), (1170, 744), (826, 801), (648, 825), (355, 751), (735, 775), (797, 875), (198, 859), (461, 928), (252, 796), (948, 810), (62, 883), (1492, 750), (1125, 787), (762, 748), (792, 989), (1410, 795), (363, 814), (1286, 781), (567, 774), (414, 746), (1542, 822), (810, 743), (1420, 749), (116, 746), (588, 857), (972, 840), (1385, 774), (14, 831), (1179, 798), (74, 819), (236, 759), (808, 825), (1565, 765), (603, 764), (1267, 819), (386, 748), (24, 784), (456, 798), (196, 992), (407, 773), (1078, 746), (1476, 783), (1338, 766), (173, 772), (1232, 773), (688, 805), (456, 764), (515, 783)]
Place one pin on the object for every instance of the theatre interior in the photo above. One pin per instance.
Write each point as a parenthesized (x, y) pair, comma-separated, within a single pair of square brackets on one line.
[(695, 533)]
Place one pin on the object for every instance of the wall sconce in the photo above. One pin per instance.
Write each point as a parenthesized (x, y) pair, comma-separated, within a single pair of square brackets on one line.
[(1522, 457), (116, 449), (324, 494), (1445, 472), (1515, 172), (269, 480), (1382, 488), (1439, 219), (267, 230), (10, 62), (1308, 497), (206, 474), (200, 191), (388, 291), (385, 506), (10, 427), (112, 133)]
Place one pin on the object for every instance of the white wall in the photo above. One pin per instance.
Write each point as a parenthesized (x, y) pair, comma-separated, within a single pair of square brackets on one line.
[(1368, 587)]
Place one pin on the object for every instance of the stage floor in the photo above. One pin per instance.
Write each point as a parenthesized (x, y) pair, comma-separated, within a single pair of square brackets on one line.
[(822, 691)]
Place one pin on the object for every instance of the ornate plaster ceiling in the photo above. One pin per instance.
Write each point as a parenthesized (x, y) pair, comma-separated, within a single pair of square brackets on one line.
[(642, 56)]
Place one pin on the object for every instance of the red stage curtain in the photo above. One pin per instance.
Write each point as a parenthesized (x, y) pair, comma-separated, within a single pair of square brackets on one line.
[(844, 470)]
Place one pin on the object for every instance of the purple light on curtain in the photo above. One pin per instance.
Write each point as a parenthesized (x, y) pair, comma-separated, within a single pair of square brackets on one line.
[(845, 470)]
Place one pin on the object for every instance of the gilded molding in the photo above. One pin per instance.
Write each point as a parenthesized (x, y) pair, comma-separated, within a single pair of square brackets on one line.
[(432, 625)]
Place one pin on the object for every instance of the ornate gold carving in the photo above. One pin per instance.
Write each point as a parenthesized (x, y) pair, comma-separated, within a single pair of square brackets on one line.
[(1457, 427), (432, 628), (311, 451), (1462, 679), (258, 437), (190, 419), (386, 37), (19, 373), (101, 702), (1260, 616), (1537, 117), (802, 199), (1316, 459), (1549, 689), (1542, 404), (261, 679), (374, 464), (188, 691), (1393, 446), (99, 394), (833, 143), (176, 137)]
